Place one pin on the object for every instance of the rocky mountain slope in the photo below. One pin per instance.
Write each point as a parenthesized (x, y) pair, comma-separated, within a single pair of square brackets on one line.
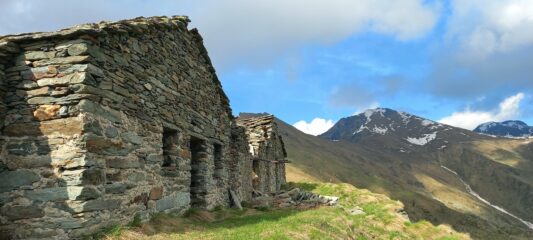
[(475, 183), (511, 128)]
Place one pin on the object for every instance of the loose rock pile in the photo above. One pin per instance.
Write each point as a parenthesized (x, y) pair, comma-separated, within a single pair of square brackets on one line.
[(294, 198)]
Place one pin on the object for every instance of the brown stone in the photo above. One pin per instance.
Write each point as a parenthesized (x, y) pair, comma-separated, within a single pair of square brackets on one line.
[(143, 198), (65, 60), (184, 153), (65, 127), (38, 92), (46, 112), (59, 91), (156, 193)]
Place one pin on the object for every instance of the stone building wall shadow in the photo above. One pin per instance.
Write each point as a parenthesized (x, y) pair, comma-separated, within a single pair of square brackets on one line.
[(46, 181)]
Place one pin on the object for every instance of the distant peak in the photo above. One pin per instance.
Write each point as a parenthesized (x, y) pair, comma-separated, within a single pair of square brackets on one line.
[(509, 128)]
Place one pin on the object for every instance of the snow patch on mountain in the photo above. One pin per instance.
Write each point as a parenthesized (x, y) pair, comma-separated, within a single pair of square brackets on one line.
[(406, 117), (368, 113), (427, 138), (379, 130)]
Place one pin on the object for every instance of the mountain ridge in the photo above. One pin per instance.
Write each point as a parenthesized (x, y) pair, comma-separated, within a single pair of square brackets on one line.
[(509, 128), (386, 162)]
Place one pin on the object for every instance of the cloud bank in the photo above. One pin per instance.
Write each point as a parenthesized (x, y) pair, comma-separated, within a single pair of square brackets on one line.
[(239, 32), (488, 47), (508, 109), (316, 127)]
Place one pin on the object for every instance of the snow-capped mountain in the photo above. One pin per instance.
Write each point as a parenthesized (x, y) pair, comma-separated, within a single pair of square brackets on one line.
[(511, 128), (427, 166), (396, 128)]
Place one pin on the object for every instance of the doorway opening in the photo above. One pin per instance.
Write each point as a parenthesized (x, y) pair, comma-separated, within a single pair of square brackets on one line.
[(199, 170)]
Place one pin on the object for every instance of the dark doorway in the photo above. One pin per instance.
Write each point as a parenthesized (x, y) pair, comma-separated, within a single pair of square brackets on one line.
[(199, 171), (170, 148), (256, 174), (219, 166)]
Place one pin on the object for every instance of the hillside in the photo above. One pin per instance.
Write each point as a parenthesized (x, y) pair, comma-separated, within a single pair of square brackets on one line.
[(411, 163), (360, 214)]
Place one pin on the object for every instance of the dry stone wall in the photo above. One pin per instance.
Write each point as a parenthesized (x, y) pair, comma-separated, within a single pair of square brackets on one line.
[(268, 152), (105, 121)]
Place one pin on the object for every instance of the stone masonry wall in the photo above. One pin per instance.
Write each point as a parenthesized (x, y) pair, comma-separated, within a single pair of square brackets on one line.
[(268, 152), (105, 121)]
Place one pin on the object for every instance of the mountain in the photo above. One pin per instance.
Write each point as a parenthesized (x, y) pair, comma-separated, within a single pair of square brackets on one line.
[(511, 128), (442, 174), (399, 130)]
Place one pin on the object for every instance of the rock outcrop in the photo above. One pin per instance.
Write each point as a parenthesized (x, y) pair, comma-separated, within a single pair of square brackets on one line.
[(102, 122)]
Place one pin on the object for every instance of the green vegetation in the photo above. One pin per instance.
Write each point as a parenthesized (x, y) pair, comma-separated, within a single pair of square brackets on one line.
[(380, 220), (417, 179)]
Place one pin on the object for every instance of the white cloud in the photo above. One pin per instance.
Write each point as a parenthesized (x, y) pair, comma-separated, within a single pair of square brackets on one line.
[(485, 27), (239, 31), (372, 105), (316, 127), (489, 47), (508, 109), (262, 30)]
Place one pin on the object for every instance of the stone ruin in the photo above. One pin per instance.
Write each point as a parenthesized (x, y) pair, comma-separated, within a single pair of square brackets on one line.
[(103, 122), (268, 152)]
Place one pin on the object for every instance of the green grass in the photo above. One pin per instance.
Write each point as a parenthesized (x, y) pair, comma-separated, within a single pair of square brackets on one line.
[(379, 221)]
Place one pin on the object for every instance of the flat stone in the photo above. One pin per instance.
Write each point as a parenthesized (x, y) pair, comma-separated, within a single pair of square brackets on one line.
[(63, 126), (148, 86), (46, 112), (154, 158), (63, 193), (156, 193), (14, 162), (81, 88), (22, 212), (38, 55), (132, 137), (65, 60), (78, 49), (70, 79), (72, 159), (122, 162), (89, 68), (10, 180), (37, 92), (262, 201), (111, 132), (93, 126), (39, 72), (22, 148), (86, 105), (136, 177), (174, 200), (72, 98), (356, 211), (91, 205), (120, 90), (65, 45), (59, 91), (102, 145), (115, 188), (88, 176)]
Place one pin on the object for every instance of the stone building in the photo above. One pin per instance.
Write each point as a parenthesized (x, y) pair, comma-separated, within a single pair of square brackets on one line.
[(267, 149), (102, 122)]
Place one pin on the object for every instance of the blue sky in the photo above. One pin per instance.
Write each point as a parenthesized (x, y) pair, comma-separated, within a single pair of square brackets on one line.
[(461, 62)]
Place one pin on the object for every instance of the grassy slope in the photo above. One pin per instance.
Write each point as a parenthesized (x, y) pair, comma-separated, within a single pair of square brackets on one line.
[(382, 220), (427, 191)]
